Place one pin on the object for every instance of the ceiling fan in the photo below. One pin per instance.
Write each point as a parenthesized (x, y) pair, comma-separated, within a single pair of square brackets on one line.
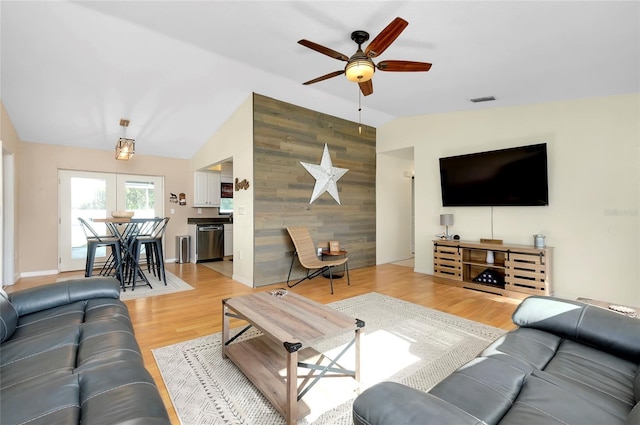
[(360, 67)]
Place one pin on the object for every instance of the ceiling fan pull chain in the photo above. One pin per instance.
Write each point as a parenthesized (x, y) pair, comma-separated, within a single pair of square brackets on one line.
[(359, 111)]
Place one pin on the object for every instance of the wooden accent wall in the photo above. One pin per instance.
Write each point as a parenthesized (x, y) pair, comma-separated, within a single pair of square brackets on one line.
[(284, 136)]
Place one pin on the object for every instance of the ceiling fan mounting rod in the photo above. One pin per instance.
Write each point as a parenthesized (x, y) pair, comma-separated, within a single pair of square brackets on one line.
[(359, 37)]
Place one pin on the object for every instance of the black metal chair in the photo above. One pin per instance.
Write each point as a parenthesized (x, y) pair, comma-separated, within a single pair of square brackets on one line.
[(153, 247), (151, 239), (94, 240)]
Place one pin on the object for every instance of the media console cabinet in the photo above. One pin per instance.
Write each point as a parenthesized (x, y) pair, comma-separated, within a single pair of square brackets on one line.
[(517, 271)]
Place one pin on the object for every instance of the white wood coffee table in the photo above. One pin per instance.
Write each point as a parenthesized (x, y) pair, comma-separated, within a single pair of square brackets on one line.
[(290, 324)]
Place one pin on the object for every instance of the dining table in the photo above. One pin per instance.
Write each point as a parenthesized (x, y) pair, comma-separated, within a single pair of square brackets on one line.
[(127, 230)]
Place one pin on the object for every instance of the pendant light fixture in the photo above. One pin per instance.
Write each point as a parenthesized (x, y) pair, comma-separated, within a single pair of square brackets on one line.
[(125, 148)]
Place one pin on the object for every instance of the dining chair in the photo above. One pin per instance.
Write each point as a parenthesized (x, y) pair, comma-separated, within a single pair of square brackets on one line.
[(305, 251), (94, 240), (153, 248), (150, 238)]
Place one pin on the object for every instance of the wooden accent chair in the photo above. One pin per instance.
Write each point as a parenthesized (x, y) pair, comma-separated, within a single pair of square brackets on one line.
[(306, 253)]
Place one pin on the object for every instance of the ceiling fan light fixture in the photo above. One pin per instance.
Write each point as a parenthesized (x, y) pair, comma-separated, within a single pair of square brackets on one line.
[(359, 70)]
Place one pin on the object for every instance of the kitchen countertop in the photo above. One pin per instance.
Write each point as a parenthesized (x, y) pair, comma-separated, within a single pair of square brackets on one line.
[(210, 220)]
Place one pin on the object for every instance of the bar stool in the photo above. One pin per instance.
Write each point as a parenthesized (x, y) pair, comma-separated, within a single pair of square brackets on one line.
[(152, 242), (93, 242)]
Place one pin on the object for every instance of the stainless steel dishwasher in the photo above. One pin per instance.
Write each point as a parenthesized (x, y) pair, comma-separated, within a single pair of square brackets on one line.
[(209, 242)]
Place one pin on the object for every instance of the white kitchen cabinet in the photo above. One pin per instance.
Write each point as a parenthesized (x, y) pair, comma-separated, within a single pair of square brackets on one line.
[(226, 172), (228, 239), (206, 191)]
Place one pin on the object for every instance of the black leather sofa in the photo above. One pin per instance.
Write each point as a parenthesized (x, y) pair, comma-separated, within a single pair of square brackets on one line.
[(68, 355), (566, 363)]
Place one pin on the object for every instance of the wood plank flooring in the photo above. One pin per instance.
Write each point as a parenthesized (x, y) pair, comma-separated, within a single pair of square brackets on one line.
[(172, 318)]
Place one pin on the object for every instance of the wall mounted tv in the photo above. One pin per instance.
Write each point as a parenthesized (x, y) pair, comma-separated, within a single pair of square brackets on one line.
[(506, 177)]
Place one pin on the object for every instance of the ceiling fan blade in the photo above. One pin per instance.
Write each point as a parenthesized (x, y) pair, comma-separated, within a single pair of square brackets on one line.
[(386, 37), (366, 88), (403, 66), (324, 50), (324, 77)]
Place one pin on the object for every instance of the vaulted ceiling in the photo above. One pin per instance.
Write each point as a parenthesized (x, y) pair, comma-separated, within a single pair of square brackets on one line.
[(178, 69)]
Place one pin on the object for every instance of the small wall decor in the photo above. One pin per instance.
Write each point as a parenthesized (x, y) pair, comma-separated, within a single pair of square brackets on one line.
[(244, 184), (326, 176), (226, 190), (183, 199), (173, 198)]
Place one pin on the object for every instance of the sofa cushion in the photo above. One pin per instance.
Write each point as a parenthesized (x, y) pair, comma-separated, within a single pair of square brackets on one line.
[(119, 392), (105, 341), (43, 401), (525, 348), (634, 416), (31, 357), (397, 404), (608, 331), (8, 318), (62, 293), (50, 320), (485, 388), (601, 378), (541, 402)]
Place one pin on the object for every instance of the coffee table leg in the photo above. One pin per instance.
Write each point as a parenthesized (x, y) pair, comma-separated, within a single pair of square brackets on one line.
[(225, 329), (292, 388), (357, 371)]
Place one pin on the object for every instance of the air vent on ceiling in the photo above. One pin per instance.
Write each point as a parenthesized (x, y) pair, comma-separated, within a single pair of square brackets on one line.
[(483, 99)]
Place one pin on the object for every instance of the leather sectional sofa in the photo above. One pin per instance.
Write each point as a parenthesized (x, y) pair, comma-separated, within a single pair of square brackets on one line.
[(68, 355), (566, 363)]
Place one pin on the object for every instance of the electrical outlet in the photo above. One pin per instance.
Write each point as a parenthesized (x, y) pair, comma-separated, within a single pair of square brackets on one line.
[(173, 210), (199, 210)]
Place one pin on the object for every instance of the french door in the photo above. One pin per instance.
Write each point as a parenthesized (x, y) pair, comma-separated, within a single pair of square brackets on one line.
[(94, 195)]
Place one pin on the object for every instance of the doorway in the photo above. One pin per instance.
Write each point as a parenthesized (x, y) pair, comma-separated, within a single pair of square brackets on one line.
[(7, 223), (95, 195)]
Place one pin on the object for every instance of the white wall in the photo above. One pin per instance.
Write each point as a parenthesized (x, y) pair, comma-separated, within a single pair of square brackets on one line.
[(592, 220), (234, 140), (394, 188)]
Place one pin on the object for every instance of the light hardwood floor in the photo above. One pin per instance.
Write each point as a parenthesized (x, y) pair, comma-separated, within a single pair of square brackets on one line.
[(168, 319)]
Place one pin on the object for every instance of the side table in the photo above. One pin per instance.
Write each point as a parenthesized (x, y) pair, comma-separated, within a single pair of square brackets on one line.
[(606, 305), (337, 274)]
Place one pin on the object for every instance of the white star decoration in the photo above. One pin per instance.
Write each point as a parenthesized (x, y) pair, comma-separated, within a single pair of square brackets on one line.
[(326, 176)]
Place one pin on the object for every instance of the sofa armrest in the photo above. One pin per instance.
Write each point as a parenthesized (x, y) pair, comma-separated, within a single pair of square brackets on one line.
[(606, 330), (393, 403), (61, 293)]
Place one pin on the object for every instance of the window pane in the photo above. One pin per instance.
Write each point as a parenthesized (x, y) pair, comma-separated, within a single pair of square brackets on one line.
[(140, 198), (226, 205), (88, 200)]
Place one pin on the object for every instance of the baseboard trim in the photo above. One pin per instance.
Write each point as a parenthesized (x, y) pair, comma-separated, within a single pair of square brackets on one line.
[(38, 273)]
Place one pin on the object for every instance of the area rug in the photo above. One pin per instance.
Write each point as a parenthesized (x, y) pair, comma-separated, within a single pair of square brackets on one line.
[(174, 284), (402, 342)]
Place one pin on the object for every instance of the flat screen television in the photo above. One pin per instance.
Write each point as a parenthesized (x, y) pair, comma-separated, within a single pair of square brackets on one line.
[(506, 177)]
